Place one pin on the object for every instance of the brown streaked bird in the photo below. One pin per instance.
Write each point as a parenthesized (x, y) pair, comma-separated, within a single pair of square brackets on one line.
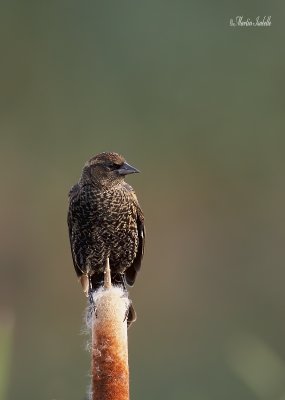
[(105, 220)]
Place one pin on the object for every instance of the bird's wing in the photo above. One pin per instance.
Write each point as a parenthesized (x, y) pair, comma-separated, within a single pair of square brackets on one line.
[(131, 272), (77, 236)]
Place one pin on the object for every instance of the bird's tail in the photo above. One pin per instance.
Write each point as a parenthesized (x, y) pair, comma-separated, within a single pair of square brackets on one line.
[(97, 281)]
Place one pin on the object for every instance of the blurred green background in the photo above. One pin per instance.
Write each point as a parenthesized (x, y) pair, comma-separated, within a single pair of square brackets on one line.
[(198, 107)]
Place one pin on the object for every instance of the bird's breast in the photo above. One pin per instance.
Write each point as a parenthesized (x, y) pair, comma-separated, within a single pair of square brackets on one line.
[(112, 210)]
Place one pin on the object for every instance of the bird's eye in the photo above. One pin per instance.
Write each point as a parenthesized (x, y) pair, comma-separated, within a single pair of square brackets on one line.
[(116, 166), (113, 166)]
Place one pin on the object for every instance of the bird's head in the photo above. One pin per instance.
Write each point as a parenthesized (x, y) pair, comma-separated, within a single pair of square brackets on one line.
[(108, 169)]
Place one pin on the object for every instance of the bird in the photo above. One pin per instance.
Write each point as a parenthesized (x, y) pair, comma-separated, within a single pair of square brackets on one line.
[(106, 224)]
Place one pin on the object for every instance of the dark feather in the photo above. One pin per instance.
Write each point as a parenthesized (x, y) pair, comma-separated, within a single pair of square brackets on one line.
[(105, 220), (132, 271)]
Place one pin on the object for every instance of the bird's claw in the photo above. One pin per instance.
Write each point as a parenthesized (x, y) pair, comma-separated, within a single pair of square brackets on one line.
[(126, 315), (90, 296)]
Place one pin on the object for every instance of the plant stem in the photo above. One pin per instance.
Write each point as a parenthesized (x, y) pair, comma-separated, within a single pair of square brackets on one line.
[(110, 370)]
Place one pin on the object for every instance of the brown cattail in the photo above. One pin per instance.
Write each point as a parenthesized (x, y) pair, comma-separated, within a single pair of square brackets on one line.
[(110, 370)]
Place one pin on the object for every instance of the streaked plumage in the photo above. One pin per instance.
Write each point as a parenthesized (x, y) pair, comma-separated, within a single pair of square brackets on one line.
[(105, 220)]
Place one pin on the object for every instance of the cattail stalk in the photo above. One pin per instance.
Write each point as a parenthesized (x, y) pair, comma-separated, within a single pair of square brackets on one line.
[(110, 370)]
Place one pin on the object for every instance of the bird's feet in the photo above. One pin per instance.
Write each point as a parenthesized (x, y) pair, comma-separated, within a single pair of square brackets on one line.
[(107, 275), (130, 315), (91, 297)]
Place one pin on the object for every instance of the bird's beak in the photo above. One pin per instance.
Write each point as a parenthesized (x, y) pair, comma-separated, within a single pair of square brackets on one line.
[(127, 169)]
